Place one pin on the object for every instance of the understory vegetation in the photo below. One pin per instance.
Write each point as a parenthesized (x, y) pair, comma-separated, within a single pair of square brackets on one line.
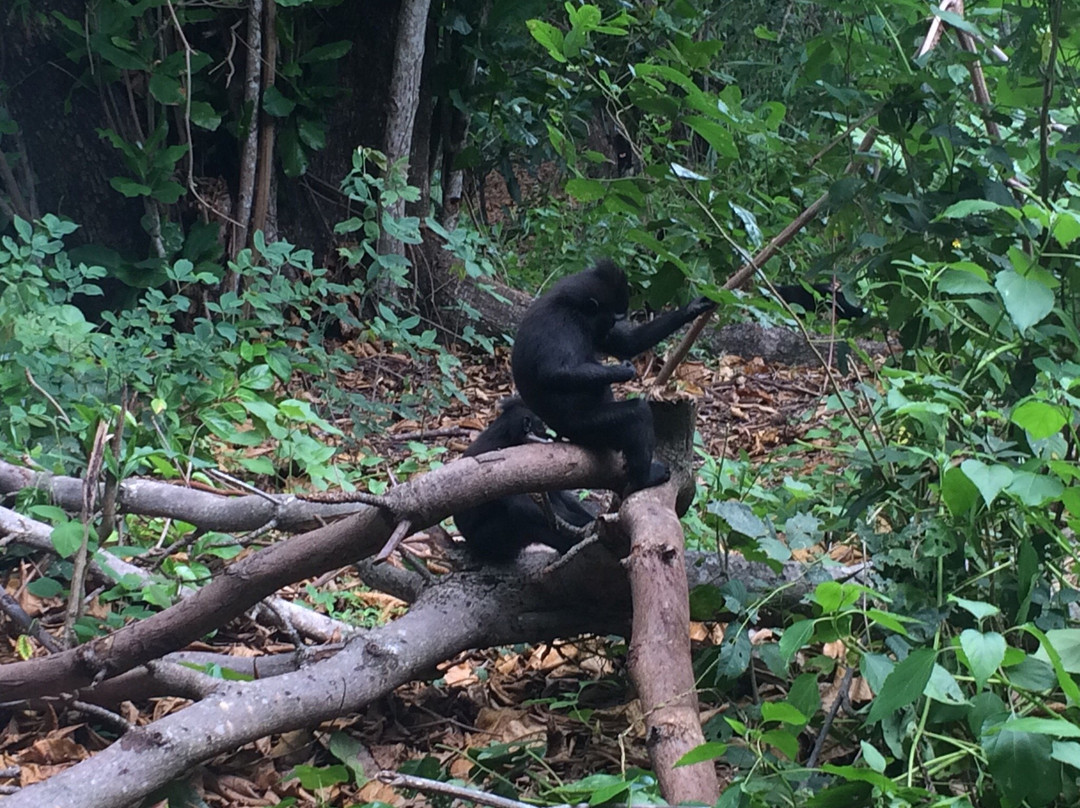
[(679, 139)]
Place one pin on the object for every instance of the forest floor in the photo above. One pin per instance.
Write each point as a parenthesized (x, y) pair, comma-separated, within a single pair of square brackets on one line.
[(561, 708)]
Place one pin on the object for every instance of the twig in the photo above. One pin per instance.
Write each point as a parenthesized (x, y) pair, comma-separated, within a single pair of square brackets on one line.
[(108, 717), (830, 716), (399, 534), (221, 475), (27, 624), (747, 270), (81, 566), (426, 786), (50, 399)]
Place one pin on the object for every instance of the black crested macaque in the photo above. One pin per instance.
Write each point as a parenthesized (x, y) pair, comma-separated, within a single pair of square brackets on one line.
[(498, 531), (819, 297), (557, 367)]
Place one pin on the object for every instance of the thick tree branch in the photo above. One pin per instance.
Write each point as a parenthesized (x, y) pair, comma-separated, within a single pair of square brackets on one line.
[(426, 499), (464, 612)]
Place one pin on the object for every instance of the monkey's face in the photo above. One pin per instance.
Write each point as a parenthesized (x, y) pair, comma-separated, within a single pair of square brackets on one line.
[(603, 303)]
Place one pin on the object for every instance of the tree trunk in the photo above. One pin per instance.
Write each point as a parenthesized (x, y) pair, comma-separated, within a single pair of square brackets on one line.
[(404, 99)]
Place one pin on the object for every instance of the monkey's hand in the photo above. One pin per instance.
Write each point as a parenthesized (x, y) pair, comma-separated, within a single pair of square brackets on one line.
[(623, 372), (699, 306)]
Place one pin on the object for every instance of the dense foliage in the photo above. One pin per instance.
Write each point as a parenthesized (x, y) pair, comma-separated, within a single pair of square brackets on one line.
[(955, 224)]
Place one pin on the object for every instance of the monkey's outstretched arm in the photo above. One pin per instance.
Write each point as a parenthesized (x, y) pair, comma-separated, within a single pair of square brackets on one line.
[(627, 340)]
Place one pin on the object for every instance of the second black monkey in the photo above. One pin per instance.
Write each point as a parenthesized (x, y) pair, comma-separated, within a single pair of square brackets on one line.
[(497, 531), (558, 372)]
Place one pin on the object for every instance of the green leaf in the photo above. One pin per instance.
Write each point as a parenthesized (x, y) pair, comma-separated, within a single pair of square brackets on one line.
[(988, 479), (1058, 727), (1040, 419), (67, 538), (1020, 763), (699, 754), (1067, 752), (965, 278), (168, 192), (889, 621), (875, 669), (958, 492), (549, 36), (854, 774), (1032, 674), (874, 759), (1066, 227), (276, 104), (45, 588), (24, 229), (783, 712), (740, 518), (1035, 490), (166, 89), (977, 608), (128, 187), (1027, 299), (904, 685), (312, 134), (784, 741), (1065, 643), (833, 597), (943, 687), (584, 190), (983, 653), (204, 116), (715, 134), (795, 637), (804, 695), (327, 52), (315, 777), (258, 465), (969, 207)]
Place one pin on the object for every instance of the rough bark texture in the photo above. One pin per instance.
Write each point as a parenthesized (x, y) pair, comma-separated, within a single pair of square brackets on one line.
[(463, 612), (404, 99), (424, 501), (659, 658), (448, 295), (249, 152)]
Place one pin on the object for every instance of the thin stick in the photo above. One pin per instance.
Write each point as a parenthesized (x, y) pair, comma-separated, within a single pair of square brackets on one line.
[(399, 534)]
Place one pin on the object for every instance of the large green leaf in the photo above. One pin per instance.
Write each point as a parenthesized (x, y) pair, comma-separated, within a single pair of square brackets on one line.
[(1027, 299), (795, 637), (958, 491), (67, 537), (1039, 418), (904, 685), (715, 134), (1021, 765), (983, 653), (549, 36), (988, 479), (1033, 489)]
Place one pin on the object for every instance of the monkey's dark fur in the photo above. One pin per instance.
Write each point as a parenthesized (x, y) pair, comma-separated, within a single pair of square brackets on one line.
[(559, 374), (819, 297), (497, 531)]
